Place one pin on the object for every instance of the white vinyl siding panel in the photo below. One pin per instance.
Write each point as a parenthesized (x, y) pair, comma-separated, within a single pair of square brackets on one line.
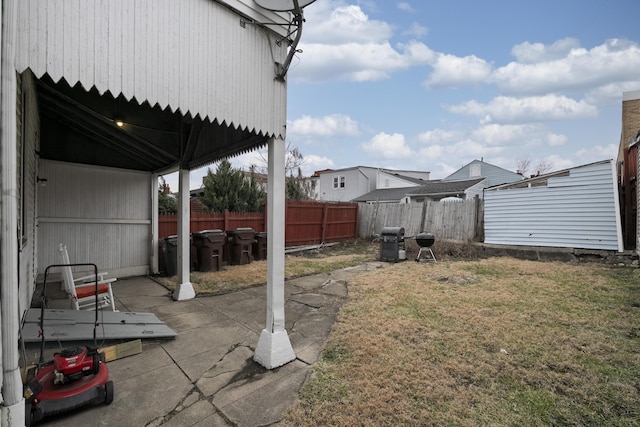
[(574, 211), (29, 134), (191, 55), (103, 215)]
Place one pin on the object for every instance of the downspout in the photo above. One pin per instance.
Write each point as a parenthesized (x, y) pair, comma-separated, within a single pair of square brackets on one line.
[(12, 407)]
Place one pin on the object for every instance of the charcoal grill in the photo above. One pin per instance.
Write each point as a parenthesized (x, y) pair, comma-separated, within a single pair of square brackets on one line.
[(425, 241)]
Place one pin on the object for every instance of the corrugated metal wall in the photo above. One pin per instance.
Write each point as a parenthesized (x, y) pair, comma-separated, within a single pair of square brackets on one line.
[(103, 215), (578, 210), (191, 55)]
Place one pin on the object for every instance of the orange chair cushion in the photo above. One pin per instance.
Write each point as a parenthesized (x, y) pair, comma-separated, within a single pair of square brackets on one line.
[(87, 291)]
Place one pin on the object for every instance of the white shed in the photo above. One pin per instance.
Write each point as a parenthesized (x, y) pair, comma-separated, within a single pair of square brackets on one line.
[(572, 208)]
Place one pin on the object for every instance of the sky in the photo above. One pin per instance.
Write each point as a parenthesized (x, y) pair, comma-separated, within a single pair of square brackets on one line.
[(433, 85)]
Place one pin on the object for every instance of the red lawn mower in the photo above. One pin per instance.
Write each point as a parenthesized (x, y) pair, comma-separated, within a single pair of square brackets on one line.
[(76, 377)]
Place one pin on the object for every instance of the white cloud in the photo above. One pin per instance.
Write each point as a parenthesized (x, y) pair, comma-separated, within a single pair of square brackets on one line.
[(358, 61), (314, 162), (430, 152), (520, 134), (331, 125), (403, 5), (439, 136), (578, 70), (530, 53), (416, 30), (333, 24), (342, 43), (597, 153), (503, 109), (388, 146), (450, 70)]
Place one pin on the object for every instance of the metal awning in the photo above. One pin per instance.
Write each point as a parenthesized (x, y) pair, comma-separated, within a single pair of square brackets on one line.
[(81, 126)]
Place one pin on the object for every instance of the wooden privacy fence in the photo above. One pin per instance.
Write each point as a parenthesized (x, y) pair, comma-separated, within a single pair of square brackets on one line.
[(445, 220), (306, 222)]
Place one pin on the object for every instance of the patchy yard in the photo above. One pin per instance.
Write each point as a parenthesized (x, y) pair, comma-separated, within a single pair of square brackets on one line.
[(468, 341), (498, 341), (323, 260)]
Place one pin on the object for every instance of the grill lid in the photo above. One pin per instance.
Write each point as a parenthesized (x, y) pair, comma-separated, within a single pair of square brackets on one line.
[(425, 240)]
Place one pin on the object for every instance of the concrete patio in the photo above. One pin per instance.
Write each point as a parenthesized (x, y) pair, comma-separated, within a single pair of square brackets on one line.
[(206, 376)]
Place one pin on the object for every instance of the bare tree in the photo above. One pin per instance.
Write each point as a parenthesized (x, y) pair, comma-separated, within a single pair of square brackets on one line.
[(525, 169), (523, 166), (543, 166)]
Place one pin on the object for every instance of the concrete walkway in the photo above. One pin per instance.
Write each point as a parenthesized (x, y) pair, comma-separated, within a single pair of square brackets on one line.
[(207, 376)]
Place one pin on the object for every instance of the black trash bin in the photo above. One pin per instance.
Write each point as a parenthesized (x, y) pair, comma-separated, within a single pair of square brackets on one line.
[(170, 251), (392, 244), (260, 246), (240, 243), (209, 244)]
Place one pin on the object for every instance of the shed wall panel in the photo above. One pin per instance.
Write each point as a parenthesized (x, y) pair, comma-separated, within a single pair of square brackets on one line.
[(192, 55), (99, 213), (576, 211)]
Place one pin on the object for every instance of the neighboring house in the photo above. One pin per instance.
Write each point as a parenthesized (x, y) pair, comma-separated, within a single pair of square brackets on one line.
[(342, 185), (628, 167), (494, 175), (99, 99), (430, 190), (571, 208)]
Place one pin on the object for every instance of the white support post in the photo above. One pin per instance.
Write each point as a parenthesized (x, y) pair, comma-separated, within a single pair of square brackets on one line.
[(12, 405), (274, 348), (184, 288), (154, 241)]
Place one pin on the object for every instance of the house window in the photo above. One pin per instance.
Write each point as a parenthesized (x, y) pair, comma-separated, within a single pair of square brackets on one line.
[(338, 182)]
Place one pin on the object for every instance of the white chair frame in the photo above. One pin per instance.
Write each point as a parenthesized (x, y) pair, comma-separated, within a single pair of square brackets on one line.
[(85, 283)]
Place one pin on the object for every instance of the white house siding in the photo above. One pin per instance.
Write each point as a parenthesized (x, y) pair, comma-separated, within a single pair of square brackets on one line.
[(358, 181), (475, 190), (191, 55), (579, 210), (28, 144), (103, 215)]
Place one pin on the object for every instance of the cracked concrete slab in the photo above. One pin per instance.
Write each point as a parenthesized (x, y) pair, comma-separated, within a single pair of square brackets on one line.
[(206, 376)]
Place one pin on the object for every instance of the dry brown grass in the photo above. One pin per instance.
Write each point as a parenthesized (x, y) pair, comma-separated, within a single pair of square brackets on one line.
[(235, 277), (489, 342)]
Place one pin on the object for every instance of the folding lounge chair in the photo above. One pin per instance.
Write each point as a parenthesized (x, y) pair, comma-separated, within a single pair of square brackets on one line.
[(82, 290)]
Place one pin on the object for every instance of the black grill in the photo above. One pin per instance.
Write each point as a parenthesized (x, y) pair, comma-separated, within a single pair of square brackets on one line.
[(425, 240)]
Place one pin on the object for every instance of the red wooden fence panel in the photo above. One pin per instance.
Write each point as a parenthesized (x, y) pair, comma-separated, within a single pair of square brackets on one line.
[(306, 222)]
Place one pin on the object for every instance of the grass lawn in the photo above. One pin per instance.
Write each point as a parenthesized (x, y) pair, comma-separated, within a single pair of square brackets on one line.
[(467, 341), (496, 341)]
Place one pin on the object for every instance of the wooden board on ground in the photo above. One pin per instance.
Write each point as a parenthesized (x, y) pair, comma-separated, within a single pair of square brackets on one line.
[(119, 351)]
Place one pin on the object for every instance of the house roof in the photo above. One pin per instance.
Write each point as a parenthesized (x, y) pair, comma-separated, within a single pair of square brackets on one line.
[(384, 195), (431, 188), (428, 188), (405, 177)]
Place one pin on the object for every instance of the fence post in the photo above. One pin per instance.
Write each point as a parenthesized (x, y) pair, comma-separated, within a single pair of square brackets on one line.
[(375, 218), (226, 219), (325, 214)]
